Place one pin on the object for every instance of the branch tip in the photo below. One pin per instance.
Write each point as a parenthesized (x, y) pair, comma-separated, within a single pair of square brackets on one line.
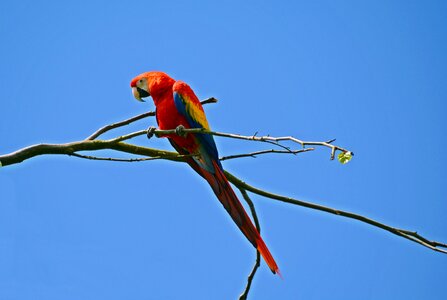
[(209, 101)]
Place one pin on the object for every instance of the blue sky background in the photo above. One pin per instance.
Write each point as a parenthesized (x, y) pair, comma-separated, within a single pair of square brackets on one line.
[(371, 74)]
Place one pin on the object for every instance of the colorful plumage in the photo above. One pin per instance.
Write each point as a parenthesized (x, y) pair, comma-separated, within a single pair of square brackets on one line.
[(176, 104)]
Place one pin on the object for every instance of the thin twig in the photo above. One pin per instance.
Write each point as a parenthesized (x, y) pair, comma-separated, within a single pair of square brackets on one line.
[(284, 138), (115, 159), (252, 274), (254, 154), (129, 136), (265, 139), (410, 235), (109, 127), (137, 159), (252, 208), (209, 101)]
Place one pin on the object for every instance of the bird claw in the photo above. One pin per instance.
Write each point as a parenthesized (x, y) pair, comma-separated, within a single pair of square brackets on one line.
[(150, 132), (180, 131)]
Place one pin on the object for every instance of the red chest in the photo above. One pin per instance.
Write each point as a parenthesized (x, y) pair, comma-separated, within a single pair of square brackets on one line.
[(168, 117)]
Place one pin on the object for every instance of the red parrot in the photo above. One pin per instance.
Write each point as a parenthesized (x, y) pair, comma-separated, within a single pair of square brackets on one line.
[(178, 107)]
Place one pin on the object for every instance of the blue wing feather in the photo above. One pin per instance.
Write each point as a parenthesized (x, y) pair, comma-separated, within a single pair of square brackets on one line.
[(208, 147)]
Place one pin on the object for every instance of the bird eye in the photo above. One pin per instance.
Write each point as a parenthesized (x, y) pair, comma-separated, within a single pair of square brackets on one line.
[(140, 83)]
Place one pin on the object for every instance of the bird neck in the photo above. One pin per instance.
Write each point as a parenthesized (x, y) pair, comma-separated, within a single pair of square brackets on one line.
[(162, 96)]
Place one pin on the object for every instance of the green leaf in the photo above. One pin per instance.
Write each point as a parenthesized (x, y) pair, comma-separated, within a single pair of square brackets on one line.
[(345, 157)]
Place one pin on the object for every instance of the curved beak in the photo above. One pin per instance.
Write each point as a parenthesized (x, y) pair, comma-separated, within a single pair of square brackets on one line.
[(136, 94)]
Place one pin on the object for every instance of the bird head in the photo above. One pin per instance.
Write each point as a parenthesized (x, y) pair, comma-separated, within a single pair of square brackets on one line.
[(150, 84)]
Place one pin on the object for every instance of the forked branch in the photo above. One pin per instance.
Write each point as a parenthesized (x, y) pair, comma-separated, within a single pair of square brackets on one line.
[(92, 143)]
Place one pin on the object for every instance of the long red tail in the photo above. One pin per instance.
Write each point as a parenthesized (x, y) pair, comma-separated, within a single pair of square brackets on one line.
[(231, 203)]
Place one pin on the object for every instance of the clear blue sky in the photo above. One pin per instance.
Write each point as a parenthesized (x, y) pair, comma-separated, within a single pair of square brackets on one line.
[(371, 74)]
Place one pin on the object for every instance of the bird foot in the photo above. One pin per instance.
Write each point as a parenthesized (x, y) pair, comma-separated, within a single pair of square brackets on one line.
[(180, 131), (150, 132)]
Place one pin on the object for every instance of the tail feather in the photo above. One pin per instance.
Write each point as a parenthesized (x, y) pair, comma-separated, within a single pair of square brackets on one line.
[(262, 248), (231, 203)]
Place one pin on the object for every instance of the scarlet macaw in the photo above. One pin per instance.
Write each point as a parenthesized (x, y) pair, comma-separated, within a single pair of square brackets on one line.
[(177, 105)]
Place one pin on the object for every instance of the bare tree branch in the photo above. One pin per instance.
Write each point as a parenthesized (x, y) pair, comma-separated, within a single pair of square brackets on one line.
[(252, 274), (112, 144), (137, 159), (109, 127), (228, 157), (91, 143), (117, 144), (254, 154), (85, 145), (410, 235), (265, 139)]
